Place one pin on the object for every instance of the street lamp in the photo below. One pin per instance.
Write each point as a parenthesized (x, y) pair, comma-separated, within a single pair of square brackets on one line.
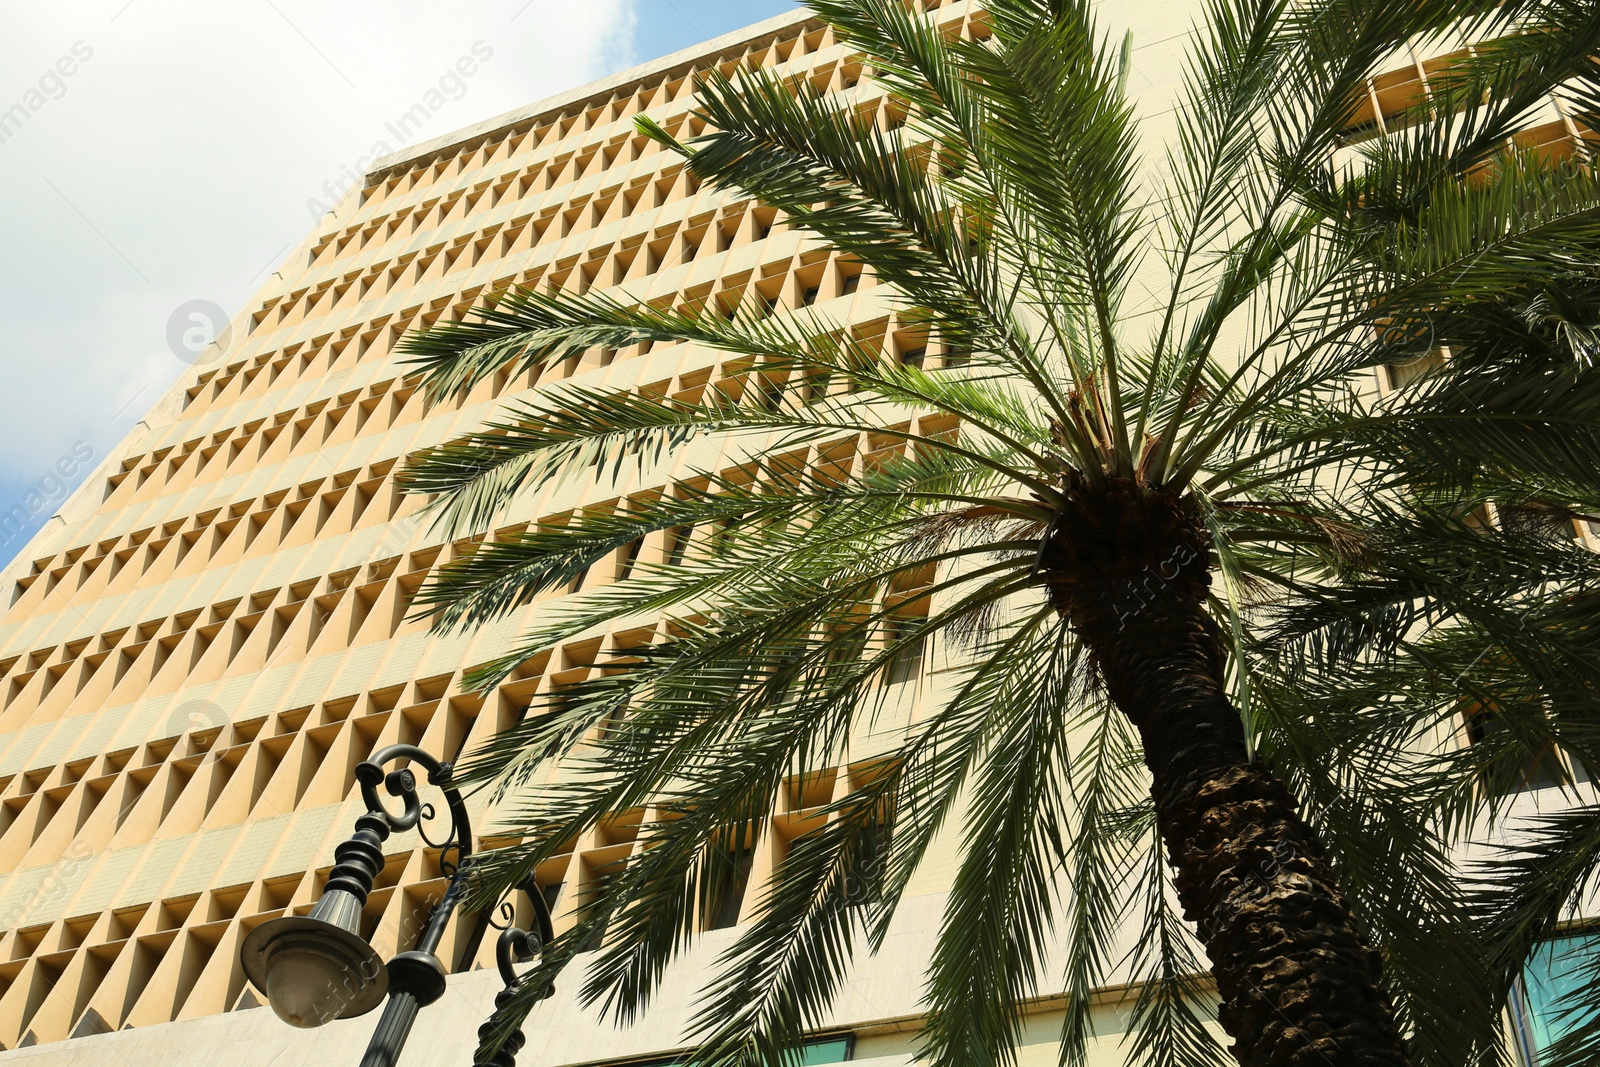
[(317, 967)]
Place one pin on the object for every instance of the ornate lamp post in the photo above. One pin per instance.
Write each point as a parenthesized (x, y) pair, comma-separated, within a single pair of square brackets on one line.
[(317, 967)]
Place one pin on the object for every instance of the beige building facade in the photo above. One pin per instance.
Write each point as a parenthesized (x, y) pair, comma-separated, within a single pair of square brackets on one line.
[(214, 631)]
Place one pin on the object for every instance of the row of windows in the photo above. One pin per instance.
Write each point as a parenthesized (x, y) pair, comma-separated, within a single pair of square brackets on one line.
[(743, 862), (176, 784), (337, 504), (674, 244), (591, 115), (314, 358), (324, 423), (216, 774), (201, 645), (177, 958), (605, 266), (632, 258), (1390, 101), (266, 441), (658, 90), (560, 179), (488, 240), (236, 636)]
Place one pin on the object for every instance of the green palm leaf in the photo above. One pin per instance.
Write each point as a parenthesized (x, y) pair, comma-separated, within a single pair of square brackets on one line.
[(1207, 609)]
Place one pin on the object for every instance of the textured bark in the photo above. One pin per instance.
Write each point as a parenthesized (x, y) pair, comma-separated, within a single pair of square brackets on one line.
[(1300, 986)]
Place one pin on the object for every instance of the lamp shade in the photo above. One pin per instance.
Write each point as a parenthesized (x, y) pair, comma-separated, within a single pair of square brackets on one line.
[(317, 967)]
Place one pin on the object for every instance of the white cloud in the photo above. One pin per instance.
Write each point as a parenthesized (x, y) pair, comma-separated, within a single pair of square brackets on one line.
[(177, 159)]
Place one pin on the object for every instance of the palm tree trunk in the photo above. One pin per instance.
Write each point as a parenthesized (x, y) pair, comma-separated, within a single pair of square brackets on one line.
[(1299, 984)]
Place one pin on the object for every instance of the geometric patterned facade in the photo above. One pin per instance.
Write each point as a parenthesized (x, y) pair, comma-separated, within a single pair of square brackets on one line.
[(194, 661), (195, 657)]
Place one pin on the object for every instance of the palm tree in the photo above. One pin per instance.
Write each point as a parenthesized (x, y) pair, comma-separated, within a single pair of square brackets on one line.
[(1478, 618), (1497, 622), (1151, 509)]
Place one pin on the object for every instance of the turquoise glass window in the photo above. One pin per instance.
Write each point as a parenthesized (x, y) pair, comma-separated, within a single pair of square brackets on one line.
[(815, 1053), (1555, 970), (828, 1050)]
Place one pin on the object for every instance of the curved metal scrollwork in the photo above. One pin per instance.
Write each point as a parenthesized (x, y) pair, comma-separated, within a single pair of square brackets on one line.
[(508, 916), (456, 846), (361, 857), (415, 978), (515, 945)]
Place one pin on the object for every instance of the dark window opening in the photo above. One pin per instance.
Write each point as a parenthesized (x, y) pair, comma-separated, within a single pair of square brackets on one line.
[(725, 886), (1531, 520), (1538, 771), (722, 535), (596, 892), (865, 875), (630, 556), (771, 393), (677, 545), (905, 662), (817, 387)]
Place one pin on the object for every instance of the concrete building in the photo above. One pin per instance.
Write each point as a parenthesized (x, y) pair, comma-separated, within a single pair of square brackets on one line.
[(212, 634)]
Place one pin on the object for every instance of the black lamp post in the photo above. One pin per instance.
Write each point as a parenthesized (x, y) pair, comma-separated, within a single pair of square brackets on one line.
[(317, 967)]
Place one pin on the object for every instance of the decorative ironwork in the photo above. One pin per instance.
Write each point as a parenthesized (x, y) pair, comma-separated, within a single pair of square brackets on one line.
[(515, 945), (414, 978)]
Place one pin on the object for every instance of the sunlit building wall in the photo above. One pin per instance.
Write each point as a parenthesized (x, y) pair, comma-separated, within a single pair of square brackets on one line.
[(215, 630)]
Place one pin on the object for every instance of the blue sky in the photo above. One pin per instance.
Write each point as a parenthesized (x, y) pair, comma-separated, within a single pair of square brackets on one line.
[(166, 169), (664, 26)]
